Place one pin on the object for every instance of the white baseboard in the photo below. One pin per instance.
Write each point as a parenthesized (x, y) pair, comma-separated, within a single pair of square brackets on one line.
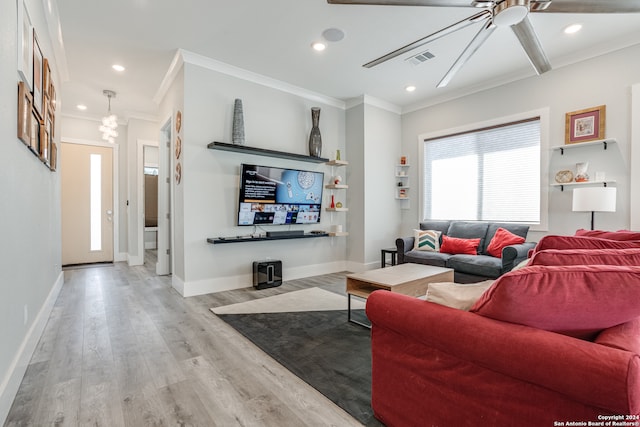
[(219, 284), (11, 384)]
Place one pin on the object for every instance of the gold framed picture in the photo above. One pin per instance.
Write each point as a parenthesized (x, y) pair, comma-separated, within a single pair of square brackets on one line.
[(585, 125), (24, 113)]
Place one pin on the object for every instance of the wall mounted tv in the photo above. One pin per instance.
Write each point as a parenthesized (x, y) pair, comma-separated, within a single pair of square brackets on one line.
[(276, 196)]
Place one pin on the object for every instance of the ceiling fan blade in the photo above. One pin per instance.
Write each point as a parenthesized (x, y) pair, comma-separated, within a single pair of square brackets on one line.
[(587, 6), (531, 45), (475, 44), (485, 14), (435, 3)]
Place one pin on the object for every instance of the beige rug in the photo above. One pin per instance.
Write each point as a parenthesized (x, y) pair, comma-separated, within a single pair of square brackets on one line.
[(312, 299)]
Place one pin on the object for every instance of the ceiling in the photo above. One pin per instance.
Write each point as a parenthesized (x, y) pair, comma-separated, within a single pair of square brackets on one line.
[(273, 38)]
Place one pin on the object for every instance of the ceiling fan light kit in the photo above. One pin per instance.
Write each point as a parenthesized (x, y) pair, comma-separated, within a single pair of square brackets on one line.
[(513, 13)]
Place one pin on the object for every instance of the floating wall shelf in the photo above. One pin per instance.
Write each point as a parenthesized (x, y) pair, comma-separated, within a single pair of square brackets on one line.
[(244, 239), (603, 142), (264, 152)]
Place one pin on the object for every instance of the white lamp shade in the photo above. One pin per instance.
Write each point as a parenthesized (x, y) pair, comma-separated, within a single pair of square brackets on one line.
[(594, 199)]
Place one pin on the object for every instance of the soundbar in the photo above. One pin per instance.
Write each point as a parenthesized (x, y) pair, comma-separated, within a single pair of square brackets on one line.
[(285, 233)]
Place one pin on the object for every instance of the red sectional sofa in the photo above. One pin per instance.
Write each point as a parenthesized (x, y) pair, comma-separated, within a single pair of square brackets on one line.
[(544, 345)]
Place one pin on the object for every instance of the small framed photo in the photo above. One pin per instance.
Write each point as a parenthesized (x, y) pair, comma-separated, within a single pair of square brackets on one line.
[(53, 164), (24, 113), (585, 125), (25, 45), (49, 120), (44, 144), (52, 96), (38, 78), (34, 143), (46, 77)]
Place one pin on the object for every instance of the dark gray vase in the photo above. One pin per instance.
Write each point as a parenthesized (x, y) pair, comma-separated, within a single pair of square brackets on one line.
[(315, 139), (237, 133)]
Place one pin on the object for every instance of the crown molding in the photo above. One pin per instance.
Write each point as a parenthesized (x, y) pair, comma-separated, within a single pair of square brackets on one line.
[(184, 56)]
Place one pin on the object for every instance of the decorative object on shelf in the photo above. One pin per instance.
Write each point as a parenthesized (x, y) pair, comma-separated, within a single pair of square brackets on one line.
[(403, 193), (337, 179), (400, 184), (403, 160), (564, 177), (178, 121), (337, 154), (594, 199), (600, 176), (336, 228), (339, 205), (237, 135), (178, 147), (178, 173), (333, 202), (315, 139), (581, 172), (585, 125), (110, 121)]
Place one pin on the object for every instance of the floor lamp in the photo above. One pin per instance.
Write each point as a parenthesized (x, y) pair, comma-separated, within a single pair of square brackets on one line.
[(594, 199)]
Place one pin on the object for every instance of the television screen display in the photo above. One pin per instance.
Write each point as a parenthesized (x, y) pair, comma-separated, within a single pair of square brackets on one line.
[(276, 196)]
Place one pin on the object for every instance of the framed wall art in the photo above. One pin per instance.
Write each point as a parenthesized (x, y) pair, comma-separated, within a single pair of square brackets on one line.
[(25, 45), (44, 144), (24, 113), (585, 125), (53, 164), (38, 81), (34, 142)]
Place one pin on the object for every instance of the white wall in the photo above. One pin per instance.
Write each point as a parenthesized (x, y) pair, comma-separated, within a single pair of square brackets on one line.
[(275, 119), (373, 140), (604, 80), (30, 253)]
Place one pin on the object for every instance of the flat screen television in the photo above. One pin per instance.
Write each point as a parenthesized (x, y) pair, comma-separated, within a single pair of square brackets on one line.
[(276, 196)]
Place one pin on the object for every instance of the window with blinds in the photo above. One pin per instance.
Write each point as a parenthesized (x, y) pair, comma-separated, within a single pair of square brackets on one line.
[(490, 174)]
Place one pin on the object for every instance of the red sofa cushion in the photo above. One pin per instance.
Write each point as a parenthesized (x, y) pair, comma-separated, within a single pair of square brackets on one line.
[(454, 245), (501, 239), (581, 242), (586, 257), (610, 235), (578, 301)]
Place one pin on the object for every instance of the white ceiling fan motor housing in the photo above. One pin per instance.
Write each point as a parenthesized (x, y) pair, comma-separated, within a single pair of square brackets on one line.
[(510, 12)]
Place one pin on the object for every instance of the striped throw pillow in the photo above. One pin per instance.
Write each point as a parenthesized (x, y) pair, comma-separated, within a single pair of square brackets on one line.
[(426, 240)]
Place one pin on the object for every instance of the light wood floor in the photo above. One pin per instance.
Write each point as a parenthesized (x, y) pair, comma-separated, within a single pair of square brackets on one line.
[(122, 348)]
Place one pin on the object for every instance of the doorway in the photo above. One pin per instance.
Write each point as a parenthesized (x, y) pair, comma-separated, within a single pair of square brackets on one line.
[(87, 203)]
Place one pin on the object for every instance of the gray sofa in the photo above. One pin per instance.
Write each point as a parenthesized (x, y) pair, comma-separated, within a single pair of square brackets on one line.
[(468, 268)]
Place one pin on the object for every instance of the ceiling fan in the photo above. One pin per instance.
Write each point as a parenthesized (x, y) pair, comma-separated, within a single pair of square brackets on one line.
[(495, 13)]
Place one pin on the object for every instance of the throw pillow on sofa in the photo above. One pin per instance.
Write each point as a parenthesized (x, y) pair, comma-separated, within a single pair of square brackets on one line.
[(579, 301), (581, 242), (426, 240), (586, 257), (501, 239), (454, 245), (457, 295), (623, 235)]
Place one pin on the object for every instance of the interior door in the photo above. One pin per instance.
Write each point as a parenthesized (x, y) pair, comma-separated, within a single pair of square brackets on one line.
[(87, 203)]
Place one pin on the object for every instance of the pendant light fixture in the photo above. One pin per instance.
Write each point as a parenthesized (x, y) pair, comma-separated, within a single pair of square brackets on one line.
[(110, 121)]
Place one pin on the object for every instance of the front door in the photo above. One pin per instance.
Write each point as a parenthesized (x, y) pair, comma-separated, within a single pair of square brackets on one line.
[(87, 203)]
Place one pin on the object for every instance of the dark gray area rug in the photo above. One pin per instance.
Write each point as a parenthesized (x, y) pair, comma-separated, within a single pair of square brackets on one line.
[(322, 348)]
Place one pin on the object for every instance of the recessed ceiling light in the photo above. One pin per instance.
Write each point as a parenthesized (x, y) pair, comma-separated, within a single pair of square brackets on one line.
[(117, 67), (81, 107), (572, 29), (410, 88), (319, 46)]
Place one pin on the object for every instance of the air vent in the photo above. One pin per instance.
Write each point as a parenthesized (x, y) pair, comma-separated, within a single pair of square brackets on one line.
[(421, 58)]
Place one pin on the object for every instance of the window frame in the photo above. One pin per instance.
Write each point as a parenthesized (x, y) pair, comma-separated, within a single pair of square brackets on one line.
[(543, 114)]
